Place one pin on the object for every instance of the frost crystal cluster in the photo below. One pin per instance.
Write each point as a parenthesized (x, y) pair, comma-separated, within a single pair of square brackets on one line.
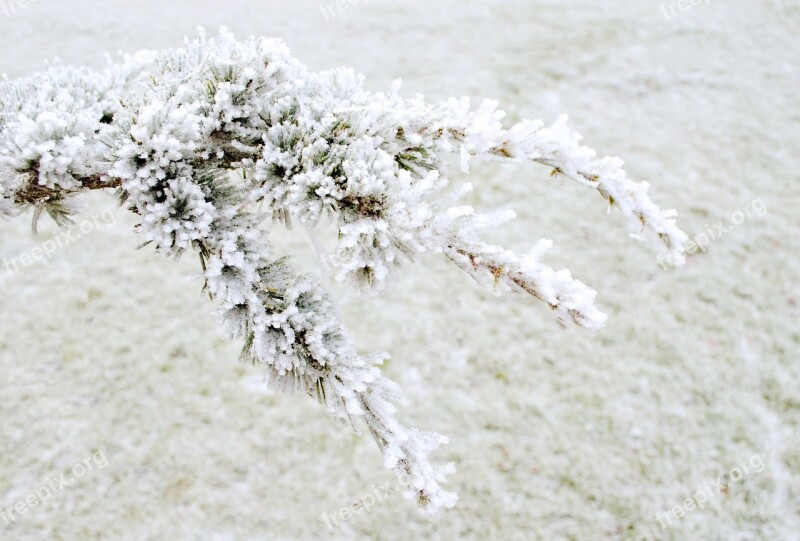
[(167, 130)]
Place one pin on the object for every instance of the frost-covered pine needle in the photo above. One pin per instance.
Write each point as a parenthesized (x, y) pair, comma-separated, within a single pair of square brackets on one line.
[(166, 129)]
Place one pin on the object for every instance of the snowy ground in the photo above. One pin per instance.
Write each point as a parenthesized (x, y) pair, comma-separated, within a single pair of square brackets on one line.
[(556, 433)]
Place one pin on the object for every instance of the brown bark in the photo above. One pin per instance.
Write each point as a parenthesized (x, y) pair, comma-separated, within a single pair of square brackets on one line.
[(34, 193)]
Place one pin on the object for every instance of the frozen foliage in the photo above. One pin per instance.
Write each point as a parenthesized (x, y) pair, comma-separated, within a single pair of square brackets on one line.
[(168, 129), (49, 128)]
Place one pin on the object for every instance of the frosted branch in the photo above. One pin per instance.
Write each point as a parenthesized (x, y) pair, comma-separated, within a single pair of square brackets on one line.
[(168, 129)]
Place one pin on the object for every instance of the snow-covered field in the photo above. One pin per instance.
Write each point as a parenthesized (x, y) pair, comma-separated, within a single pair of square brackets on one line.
[(112, 358)]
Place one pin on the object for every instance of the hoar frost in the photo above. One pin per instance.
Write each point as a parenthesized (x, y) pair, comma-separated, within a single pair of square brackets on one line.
[(167, 129)]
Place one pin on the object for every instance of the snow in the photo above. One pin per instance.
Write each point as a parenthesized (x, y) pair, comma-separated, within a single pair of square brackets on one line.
[(554, 432)]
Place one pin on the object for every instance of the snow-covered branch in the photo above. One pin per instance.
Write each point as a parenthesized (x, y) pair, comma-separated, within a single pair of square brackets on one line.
[(168, 129)]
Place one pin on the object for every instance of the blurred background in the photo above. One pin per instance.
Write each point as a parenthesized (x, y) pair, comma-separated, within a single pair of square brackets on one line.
[(557, 433)]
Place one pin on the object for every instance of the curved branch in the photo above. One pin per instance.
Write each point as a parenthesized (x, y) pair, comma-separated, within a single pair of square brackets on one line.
[(167, 129)]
